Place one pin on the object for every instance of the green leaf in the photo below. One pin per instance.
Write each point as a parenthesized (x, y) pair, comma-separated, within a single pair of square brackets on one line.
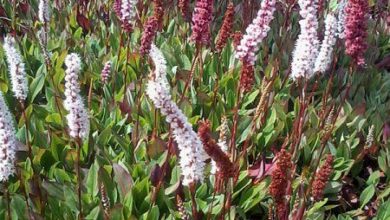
[(92, 180), (37, 84), (367, 195), (154, 213)]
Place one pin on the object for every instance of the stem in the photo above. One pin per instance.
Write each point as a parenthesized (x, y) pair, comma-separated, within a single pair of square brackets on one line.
[(261, 110), (235, 123), (78, 174), (56, 89), (229, 185), (298, 125), (195, 60), (28, 143), (212, 201), (138, 110), (117, 65), (23, 189), (26, 122), (8, 200), (127, 61), (192, 193)]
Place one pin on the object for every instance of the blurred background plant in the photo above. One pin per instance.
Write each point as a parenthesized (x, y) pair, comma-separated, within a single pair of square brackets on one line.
[(312, 148)]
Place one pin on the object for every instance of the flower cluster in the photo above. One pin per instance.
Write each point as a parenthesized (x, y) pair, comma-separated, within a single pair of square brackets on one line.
[(321, 178), (117, 8), (158, 12), (222, 142), (181, 209), (279, 182), (7, 142), (192, 155), (226, 29), (42, 35), (106, 72), (126, 12), (201, 20), (324, 58), (247, 76), (237, 36), (256, 32), (16, 69), (77, 117), (105, 200), (43, 11), (370, 136), (341, 19), (184, 8), (225, 166), (306, 48), (148, 35), (356, 30)]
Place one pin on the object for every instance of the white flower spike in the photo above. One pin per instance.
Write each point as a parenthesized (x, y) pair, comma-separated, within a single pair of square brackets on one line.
[(77, 117), (192, 155), (16, 69)]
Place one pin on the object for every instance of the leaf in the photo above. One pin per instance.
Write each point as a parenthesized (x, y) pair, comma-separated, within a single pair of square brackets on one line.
[(94, 214), (92, 180), (54, 118), (171, 189), (37, 84), (54, 189), (316, 207), (122, 178), (154, 213), (367, 195), (18, 206)]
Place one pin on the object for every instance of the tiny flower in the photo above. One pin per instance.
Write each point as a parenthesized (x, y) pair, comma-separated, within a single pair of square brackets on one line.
[(148, 35), (16, 69), (126, 12), (356, 30), (104, 199), (192, 155), (201, 20), (370, 136), (237, 36), (226, 29), (7, 142), (117, 8), (184, 6), (247, 76), (306, 48), (341, 19), (158, 11), (77, 117), (106, 72), (225, 166), (279, 182), (181, 208), (222, 142), (324, 58), (256, 32), (321, 178), (43, 11)]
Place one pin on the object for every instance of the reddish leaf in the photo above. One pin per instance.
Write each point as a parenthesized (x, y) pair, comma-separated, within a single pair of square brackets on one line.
[(259, 170), (386, 132), (24, 6), (156, 175), (83, 22)]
